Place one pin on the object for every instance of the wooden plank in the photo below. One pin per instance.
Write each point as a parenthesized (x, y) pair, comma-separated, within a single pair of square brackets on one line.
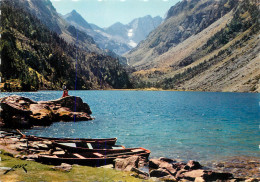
[(98, 154), (79, 156), (89, 146), (137, 150)]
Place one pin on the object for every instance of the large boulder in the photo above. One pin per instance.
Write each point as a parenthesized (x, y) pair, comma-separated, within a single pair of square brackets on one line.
[(164, 165), (127, 164), (22, 112), (191, 165), (158, 173), (192, 170), (15, 111)]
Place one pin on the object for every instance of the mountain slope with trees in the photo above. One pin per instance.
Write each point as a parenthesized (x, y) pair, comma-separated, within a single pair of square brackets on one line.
[(206, 45), (47, 14), (34, 57)]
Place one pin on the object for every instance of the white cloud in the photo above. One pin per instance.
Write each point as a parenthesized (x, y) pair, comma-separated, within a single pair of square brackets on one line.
[(122, 0), (165, 0), (75, 0), (100, 0), (55, 0)]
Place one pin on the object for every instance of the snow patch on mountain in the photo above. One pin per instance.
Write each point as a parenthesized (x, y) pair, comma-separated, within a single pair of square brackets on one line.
[(130, 33), (132, 43)]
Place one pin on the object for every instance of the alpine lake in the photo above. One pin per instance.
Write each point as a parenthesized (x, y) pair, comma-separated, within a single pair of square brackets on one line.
[(203, 126)]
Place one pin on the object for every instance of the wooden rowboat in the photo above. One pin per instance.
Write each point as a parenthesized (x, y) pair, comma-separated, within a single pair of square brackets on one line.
[(90, 158), (86, 160), (98, 148), (78, 147), (108, 141)]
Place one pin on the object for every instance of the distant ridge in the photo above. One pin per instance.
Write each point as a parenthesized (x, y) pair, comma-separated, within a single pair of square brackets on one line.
[(118, 37)]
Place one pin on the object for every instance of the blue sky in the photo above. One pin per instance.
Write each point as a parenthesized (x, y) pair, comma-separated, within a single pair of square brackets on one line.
[(107, 12)]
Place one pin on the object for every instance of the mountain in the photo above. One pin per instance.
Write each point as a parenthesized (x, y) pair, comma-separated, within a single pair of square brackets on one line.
[(77, 19), (36, 57), (47, 14), (208, 45), (141, 27), (135, 31), (118, 30), (102, 38), (118, 38)]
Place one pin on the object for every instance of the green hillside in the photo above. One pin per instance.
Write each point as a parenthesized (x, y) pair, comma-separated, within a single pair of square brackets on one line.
[(33, 57)]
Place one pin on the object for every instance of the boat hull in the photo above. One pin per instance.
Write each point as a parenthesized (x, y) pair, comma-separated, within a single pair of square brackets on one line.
[(95, 162), (88, 158), (108, 141), (104, 151)]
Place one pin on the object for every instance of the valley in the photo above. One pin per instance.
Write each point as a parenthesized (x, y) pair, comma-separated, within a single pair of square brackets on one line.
[(200, 45)]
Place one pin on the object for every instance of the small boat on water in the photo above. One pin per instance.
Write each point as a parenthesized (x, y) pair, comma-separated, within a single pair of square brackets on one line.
[(91, 158)]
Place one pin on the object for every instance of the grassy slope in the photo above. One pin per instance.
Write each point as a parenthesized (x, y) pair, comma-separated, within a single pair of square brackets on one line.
[(40, 172)]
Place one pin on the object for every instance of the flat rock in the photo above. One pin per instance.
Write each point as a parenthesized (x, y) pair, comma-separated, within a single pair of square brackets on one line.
[(109, 166), (19, 148), (22, 112), (252, 180), (63, 167), (193, 174), (199, 179), (213, 176), (43, 146), (138, 171)]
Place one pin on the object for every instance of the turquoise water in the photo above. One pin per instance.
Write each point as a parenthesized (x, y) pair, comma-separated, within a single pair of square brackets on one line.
[(187, 125)]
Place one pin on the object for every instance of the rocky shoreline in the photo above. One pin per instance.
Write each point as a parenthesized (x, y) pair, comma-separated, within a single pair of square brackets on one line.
[(161, 169), (22, 112)]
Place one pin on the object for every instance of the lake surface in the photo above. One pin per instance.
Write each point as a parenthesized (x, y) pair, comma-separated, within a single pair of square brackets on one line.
[(186, 125)]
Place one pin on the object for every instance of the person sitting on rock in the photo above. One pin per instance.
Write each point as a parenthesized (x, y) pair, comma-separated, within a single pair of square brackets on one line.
[(65, 91)]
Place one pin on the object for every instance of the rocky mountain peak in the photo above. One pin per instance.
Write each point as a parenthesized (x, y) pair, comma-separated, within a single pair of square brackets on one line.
[(74, 12), (76, 18)]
